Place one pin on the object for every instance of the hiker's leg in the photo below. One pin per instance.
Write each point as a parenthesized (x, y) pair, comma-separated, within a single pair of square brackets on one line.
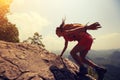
[(74, 55), (85, 60), (99, 70), (82, 69)]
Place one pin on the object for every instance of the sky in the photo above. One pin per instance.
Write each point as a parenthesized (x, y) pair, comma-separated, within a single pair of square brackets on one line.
[(43, 16)]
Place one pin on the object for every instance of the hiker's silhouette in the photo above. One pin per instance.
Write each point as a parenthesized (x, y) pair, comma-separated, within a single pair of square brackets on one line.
[(78, 32)]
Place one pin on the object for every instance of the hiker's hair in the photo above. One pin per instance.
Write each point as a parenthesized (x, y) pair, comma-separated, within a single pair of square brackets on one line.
[(93, 26), (60, 28), (62, 24)]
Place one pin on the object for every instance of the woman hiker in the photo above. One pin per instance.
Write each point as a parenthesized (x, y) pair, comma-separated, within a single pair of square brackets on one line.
[(78, 32)]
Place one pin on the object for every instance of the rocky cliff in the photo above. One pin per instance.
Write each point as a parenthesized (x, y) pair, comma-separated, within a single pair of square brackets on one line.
[(22, 61)]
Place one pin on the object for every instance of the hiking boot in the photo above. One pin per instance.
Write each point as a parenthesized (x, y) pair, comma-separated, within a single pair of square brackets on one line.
[(83, 70), (100, 72)]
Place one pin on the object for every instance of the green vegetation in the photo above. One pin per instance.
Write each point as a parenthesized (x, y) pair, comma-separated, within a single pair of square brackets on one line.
[(36, 39), (8, 31)]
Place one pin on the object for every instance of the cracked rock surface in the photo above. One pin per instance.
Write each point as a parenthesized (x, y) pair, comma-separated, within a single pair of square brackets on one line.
[(22, 61)]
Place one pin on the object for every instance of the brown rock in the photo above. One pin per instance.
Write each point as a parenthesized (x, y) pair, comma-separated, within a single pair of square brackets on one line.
[(21, 61)]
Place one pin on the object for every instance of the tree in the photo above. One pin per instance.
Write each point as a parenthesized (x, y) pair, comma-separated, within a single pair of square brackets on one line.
[(8, 31), (36, 39)]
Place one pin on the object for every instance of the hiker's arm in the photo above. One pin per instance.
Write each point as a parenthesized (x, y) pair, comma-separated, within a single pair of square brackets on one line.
[(65, 47)]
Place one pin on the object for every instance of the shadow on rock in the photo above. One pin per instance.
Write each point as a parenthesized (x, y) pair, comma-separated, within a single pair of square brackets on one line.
[(62, 74), (3, 78), (65, 74)]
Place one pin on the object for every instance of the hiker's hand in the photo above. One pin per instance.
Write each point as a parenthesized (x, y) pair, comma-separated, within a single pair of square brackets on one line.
[(60, 56)]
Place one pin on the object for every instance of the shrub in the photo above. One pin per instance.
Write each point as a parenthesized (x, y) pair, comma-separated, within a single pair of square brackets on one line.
[(36, 39)]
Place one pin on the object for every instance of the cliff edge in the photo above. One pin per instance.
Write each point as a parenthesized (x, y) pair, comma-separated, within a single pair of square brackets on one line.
[(22, 61)]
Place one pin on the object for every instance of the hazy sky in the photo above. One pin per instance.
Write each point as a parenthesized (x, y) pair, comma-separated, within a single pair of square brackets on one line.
[(44, 16)]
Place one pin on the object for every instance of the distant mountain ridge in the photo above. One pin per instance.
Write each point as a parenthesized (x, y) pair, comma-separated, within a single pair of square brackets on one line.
[(92, 53)]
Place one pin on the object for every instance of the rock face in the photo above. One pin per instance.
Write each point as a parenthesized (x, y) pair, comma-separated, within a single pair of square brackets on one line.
[(21, 61)]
